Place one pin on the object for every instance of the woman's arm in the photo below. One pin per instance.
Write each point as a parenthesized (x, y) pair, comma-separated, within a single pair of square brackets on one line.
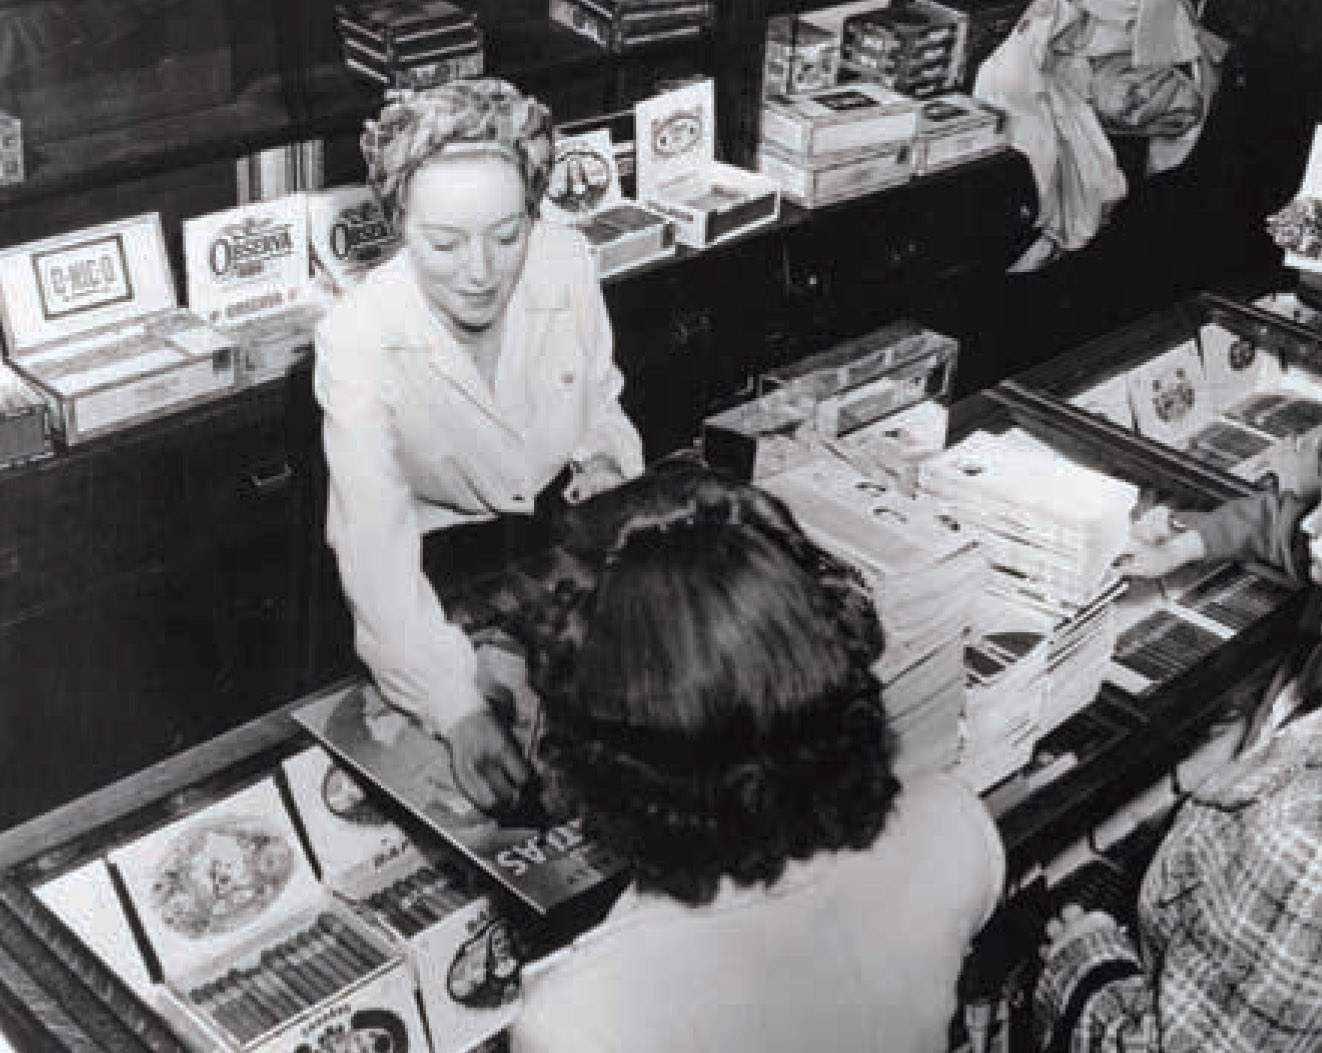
[(1263, 527), (421, 662)]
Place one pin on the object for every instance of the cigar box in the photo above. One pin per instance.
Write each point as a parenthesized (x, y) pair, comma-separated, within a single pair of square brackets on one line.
[(680, 178), (250, 275), (427, 906), (86, 901), (800, 56), (842, 118), (348, 234), (816, 181), (956, 128), (91, 322), (24, 424), (254, 953), (619, 27), (584, 192), (830, 397)]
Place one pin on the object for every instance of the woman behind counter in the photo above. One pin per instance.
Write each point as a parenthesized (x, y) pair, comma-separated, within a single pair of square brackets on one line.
[(457, 381), (711, 714)]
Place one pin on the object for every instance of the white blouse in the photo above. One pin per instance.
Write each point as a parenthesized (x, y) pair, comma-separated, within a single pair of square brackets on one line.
[(416, 440)]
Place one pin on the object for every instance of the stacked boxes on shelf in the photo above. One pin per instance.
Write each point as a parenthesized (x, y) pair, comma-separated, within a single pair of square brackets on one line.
[(956, 128), (409, 43), (618, 25), (800, 56), (838, 143), (916, 47)]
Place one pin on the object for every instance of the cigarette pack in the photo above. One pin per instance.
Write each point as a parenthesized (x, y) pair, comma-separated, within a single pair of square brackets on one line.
[(91, 321), (11, 150), (584, 192), (800, 57), (838, 119), (816, 181), (955, 128), (680, 178), (250, 275), (254, 953), (348, 234), (458, 947)]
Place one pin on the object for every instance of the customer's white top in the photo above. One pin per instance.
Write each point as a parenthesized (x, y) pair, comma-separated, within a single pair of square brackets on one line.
[(850, 952), (416, 440)]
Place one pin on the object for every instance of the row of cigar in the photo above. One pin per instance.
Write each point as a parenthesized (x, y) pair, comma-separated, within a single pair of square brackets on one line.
[(419, 901), (292, 976)]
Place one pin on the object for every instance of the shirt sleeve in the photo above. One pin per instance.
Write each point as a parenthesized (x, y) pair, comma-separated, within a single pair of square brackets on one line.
[(1262, 527), (421, 663), (608, 430), (1094, 987)]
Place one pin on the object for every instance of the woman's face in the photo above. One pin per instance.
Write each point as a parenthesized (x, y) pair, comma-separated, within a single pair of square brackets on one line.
[(466, 229)]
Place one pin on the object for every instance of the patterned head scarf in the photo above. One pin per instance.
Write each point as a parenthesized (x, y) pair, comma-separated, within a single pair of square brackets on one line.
[(416, 126)]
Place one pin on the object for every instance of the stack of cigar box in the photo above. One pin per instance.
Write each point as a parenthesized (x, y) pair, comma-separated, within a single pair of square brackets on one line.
[(91, 322), (409, 43), (837, 143), (459, 949), (955, 128), (916, 47), (619, 25), (254, 953)]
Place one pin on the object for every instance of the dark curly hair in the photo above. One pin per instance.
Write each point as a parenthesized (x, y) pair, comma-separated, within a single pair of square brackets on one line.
[(709, 705)]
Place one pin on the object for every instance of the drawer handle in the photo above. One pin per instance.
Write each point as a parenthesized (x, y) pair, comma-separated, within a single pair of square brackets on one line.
[(271, 479)]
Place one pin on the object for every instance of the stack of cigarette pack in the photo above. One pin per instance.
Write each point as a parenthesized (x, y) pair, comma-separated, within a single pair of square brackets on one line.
[(409, 43), (255, 954), (619, 25), (457, 947), (91, 322), (838, 143), (916, 46)]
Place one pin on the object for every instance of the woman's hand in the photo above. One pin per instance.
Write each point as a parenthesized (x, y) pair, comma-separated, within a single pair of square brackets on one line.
[(487, 765), (1073, 923), (1157, 547), (598, 473)]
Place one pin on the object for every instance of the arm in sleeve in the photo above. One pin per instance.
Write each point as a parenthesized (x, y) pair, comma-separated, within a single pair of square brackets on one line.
[(1263, 527), (607, 430), (1093, 997), (421, 662)]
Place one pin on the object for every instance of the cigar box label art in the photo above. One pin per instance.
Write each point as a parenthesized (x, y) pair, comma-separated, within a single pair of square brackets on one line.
[(584, 177), (344, 1029), (221, 877), (1236, 368), (248, 261), (83, 277), (348, 232), (676, 136), (540, 859), (1170, 397)]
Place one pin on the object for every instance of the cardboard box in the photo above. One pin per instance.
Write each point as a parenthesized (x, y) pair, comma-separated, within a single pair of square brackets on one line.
[(813, 182), (839, 119), (254, 953), (250, 275), (91, 322), (429, 911), (680, 178), (584, 192)]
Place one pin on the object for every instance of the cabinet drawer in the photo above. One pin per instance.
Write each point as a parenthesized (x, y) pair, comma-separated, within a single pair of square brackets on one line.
[(43, 557), (241, 480)]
